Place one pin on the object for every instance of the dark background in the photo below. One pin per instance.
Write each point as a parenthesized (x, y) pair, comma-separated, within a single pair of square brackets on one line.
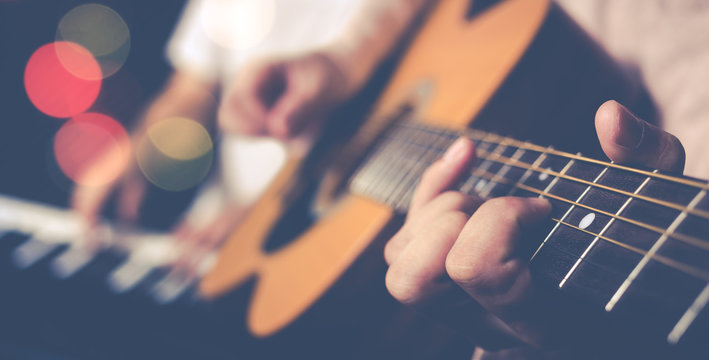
[(27, 166)]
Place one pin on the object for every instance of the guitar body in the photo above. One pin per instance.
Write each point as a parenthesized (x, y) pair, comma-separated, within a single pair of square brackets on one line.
[(520, 67)]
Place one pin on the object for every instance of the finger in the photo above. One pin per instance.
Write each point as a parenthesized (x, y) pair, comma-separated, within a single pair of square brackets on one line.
[(413, 272), (628, 139), (446, 202), (253, 92), (132, 193), (295, 108), (487, 263), (236, 116), (443, 173), (87, 201)]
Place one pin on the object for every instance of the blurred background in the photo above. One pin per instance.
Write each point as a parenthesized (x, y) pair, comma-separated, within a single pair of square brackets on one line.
[(130, 38), (62, 104)]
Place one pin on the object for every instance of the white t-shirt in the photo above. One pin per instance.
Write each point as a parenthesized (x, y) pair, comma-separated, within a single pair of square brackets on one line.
[(214, 38)]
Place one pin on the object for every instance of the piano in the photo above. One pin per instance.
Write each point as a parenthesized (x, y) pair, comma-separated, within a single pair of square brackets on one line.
[(121, 300)]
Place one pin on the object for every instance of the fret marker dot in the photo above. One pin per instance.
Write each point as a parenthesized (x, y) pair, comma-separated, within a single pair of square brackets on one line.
[(587, 220), (543, 176)]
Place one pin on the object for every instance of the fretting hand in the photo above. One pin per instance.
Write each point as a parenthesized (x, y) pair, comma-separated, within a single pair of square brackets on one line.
[(476, 243)]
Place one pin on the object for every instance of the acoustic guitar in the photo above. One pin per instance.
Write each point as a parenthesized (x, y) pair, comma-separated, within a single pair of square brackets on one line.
[(619, 239)]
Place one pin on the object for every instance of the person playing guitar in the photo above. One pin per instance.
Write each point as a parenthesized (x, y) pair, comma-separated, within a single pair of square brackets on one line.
[(470, 243), (476, 242)]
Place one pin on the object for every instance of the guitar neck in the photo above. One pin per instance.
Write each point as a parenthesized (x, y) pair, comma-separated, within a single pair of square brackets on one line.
[(622, 238)]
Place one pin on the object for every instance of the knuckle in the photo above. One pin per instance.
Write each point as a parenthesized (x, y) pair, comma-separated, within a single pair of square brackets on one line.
[(473, 274), (404, 287), (464, 268), (454, 199), (450, 222), (394, 245)]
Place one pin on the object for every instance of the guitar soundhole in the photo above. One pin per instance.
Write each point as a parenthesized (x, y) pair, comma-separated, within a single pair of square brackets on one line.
[(297, 218), (476, 7)]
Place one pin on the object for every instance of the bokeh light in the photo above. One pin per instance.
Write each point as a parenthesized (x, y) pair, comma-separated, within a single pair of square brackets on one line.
[(175, 154), (100, 30), (55, 90), (238, 24), (92, 149)]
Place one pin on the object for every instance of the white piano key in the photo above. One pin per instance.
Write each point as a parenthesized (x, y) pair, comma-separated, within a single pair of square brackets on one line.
[(158, 250), (7, 216), (170, 288), (70, 262), (127, 276), (30, 252)]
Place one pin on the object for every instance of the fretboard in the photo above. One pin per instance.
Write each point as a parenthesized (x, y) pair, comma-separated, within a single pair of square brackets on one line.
[(623, 238)]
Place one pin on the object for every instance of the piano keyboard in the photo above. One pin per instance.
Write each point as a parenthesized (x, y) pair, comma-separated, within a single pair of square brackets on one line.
[(52, 241)]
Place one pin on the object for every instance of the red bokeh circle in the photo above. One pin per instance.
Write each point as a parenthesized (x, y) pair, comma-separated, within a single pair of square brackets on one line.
[(63, 85), (92, 149)]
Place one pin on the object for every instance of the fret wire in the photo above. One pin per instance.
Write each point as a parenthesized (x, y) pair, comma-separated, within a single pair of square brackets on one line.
[(468, 186), (493, 138), (684, 238), (681, 237), (501, 172), (677, 265), (655, 247), (537, 162), (568, 211), (689, 316), (485, 191), (487, 162), (530, 146), (478, 134), (697, 212), (670, 262), (600, 233)]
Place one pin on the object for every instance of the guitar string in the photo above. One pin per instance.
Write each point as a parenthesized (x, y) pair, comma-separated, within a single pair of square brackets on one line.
[(529, 146), (678, 265), (516, 163), (678, 236), (686, 268), (480, 135), (690, 240)]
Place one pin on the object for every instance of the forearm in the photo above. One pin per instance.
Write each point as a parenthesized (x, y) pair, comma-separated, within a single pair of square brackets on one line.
[(184, 95), (372, 34)]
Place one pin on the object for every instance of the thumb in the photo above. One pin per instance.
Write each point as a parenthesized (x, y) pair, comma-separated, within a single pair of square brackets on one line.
[(627, 139)]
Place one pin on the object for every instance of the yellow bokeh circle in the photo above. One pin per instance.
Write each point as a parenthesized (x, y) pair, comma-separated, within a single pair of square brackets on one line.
[(175, 154)]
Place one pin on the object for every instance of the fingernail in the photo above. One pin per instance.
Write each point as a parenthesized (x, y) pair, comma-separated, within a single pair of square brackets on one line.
[(455, 151), (631, 130)]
